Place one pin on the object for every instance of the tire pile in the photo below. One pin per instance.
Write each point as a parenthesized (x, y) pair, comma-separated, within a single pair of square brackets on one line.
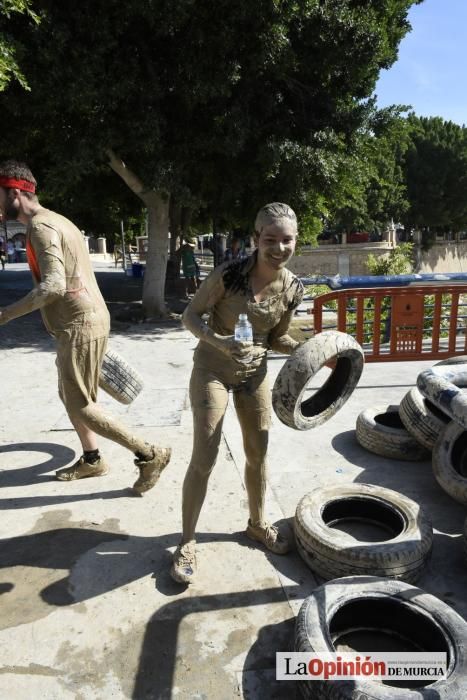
[(430, 423), (369, 592)]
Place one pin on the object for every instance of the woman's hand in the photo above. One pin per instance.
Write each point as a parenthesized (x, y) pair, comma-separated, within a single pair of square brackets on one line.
[(244, 353), (236, 349)]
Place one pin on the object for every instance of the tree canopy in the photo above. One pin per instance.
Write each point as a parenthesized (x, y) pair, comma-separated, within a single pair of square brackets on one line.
[(217, 104), (436, 174), (12, 50)]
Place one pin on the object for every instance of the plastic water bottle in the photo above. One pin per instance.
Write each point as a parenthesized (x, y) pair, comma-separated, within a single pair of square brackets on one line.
[(243, 329)]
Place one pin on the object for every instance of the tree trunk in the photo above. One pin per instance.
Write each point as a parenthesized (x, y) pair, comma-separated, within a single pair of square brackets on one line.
[(156, 265), (158, 232), (175, 225)]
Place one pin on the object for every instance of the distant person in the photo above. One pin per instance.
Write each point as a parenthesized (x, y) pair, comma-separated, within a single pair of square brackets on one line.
[(10, 252), (2, 255), (74, 312), (189, 266), (18, 247)]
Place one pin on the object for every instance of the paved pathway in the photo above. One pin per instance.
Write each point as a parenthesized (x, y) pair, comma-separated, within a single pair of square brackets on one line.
[(88, 608)]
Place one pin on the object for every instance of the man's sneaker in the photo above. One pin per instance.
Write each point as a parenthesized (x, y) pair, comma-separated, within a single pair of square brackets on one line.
[(82, 470), (268, 535), (150, 470), (184, 563)]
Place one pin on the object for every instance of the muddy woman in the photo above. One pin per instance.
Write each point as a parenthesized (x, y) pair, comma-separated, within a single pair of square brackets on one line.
[(261, 287)]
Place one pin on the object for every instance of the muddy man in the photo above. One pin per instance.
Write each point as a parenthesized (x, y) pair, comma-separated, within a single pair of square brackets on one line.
[(261, 287), (74, 312)]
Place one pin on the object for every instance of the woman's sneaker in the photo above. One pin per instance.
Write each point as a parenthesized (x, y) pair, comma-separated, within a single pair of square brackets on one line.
[(82, 470), (184, 563), (268, 535)]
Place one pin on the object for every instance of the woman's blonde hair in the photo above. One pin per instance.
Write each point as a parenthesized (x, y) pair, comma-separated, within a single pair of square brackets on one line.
[(273, 213)]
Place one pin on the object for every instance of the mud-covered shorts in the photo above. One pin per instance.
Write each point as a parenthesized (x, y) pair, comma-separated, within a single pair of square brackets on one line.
[(209, 396), (79, 366)]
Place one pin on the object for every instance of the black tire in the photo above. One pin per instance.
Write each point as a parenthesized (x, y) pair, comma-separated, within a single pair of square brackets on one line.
[(332, 553), (300, 368), (399, 612), (380, 430), (442, 386), (119, 379), (422, 419), (450, 461)]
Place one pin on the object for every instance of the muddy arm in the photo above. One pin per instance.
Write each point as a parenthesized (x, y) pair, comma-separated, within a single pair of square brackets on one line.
[(53, 281), (279, 338), (210, 292)]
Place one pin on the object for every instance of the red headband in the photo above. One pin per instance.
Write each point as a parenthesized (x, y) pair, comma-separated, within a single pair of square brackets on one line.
[(18, 184)]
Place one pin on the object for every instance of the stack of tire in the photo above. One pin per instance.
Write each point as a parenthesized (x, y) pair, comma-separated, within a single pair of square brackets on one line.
[(369, 591), (442, 387), (409, 431)]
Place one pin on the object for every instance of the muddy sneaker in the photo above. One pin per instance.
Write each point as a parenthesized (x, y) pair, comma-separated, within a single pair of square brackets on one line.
[(268, 535), (82, 470), (150, 471), (184, 563)]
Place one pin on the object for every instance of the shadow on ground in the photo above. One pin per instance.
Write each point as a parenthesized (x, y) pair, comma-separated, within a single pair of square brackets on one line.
[(60, 456)]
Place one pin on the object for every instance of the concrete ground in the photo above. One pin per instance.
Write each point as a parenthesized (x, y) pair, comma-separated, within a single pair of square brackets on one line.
[(89, 611)]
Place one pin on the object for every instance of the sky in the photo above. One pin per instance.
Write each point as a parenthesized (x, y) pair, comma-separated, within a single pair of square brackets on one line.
[(430, 73)]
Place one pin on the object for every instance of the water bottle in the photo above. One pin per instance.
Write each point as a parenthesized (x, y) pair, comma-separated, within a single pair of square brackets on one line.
[(243, 329)]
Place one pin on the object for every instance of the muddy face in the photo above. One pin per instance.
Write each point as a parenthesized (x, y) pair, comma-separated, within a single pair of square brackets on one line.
[(276, 244)]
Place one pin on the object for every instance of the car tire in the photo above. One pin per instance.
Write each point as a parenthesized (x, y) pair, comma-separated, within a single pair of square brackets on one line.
[(421, 418), (118, 379), (396, 611), (380, 430), (442, 386), (456, 360), (449, 461), (292, 381), (332, 553)]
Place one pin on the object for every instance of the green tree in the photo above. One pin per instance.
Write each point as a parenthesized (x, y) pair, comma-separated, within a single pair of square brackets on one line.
[(11, 49), (398, 262), (211, 103), (371, 187), (435, 168)]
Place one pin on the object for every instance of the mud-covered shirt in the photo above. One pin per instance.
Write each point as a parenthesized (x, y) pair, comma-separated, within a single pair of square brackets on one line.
[(229, 293), (65, 287)]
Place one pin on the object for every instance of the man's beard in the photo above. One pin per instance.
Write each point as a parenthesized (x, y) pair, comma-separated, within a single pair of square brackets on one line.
[(11, 211)]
